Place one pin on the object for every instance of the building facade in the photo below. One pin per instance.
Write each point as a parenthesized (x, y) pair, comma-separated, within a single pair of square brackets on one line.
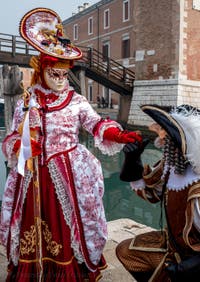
[(167, 60), (158, 39), (106, 26)]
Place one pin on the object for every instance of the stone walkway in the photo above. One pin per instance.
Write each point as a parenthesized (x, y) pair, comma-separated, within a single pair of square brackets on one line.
[(118, 230), (3, 264)]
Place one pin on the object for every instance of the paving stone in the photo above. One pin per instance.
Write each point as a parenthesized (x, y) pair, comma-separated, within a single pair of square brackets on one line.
[(118, 230), (3, 264)]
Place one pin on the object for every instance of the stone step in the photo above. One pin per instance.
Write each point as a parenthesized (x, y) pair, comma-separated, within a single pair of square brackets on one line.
[(118, 230)]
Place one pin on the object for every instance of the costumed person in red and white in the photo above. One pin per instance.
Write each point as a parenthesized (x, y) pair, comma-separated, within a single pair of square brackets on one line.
[(171, 254), (52, 217)]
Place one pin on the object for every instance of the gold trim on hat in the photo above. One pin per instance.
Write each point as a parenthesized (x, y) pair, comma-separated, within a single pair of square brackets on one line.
[(170, 118)]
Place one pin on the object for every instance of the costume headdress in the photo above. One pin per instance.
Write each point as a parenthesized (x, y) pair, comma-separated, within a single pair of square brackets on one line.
[(182, 124), (42, 28)]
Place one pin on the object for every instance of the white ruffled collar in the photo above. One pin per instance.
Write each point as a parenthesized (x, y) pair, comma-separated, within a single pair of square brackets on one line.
[(177, 182), (61, 95)]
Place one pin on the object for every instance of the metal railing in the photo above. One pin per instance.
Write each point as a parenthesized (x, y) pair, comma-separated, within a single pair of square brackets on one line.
[(92, 58), (15, 45), (107, 66)]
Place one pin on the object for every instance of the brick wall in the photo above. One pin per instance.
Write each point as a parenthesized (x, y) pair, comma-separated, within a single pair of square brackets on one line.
[(191, 33), (164, 41), (118, 29), (156, 23)]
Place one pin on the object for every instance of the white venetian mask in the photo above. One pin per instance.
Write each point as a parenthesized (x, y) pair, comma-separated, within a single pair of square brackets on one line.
[(56, 79)]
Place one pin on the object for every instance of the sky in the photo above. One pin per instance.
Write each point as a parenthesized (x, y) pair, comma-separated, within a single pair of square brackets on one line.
[(12, 11)]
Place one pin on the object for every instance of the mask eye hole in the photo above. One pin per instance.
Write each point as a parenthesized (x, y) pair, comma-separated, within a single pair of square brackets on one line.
[(55, 74)]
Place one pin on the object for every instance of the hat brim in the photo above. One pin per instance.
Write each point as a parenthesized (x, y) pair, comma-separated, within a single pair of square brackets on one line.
[(32, 28), (168, 123)]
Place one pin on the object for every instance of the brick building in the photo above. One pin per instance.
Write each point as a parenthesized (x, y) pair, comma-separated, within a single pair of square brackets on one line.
[(106, 26), (167, 61), (158, 39)]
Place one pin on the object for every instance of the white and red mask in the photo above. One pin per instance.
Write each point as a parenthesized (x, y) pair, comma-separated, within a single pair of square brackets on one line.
[(56, 78)]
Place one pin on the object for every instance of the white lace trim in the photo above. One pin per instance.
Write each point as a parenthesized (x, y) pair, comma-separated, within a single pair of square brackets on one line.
[(138, 185), (107, 147), (15, 230), (14, 251), (61, 96), (61, 188), (10, 156), (177, 182)]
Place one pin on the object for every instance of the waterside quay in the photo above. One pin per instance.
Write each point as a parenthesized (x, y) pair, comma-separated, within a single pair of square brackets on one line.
[(118, 230)]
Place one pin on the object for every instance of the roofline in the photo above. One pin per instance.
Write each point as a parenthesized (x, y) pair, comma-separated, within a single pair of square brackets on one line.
[(86, 11)]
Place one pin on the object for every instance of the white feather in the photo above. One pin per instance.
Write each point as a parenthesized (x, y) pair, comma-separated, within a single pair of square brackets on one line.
[(190, 123)]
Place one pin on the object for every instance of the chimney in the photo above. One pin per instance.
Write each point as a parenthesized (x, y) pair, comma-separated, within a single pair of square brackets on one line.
[(80, 8), (86, 5)]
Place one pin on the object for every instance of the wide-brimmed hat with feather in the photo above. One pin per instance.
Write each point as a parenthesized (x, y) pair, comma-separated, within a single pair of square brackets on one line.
[(182, 124), (42, 28)]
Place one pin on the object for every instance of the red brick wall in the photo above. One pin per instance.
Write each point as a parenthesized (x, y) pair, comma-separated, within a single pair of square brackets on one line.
[(192, 42), (113, 34), (153, 25), (156, 23), (167, 32)]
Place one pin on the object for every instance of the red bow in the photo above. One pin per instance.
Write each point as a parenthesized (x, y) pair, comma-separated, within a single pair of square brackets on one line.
[(44, 99)]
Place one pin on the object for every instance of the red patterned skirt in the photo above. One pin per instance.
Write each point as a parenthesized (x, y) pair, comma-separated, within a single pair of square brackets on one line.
[(57, 259)]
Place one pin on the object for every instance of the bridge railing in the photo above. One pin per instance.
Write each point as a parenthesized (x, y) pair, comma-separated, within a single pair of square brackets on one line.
[(94, 59), (15, 45), (107, 66)]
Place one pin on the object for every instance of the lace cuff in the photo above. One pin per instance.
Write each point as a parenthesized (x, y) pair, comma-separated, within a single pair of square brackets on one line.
[(138, 184), (8, 148), (105, 146)]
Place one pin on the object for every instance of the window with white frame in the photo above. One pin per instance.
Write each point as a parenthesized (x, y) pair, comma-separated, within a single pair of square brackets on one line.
[(106, 18), (106, 51), (75, 32), (125, 47), (90, 25), (126, 10)]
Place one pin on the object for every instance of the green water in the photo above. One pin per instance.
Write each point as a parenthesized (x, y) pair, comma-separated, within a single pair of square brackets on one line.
[(119, 200)]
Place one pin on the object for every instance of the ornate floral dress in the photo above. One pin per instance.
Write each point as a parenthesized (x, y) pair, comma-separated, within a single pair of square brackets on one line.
[(72, 226)]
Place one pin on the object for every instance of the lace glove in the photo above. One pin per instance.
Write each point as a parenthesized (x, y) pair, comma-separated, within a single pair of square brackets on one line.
[(116, 135), (132, 168)]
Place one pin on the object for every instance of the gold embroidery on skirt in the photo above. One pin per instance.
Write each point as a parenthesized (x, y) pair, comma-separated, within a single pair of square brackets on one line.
[(52, 246), (27, 245)]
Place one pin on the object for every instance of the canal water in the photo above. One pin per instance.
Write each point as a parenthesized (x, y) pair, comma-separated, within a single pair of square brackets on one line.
[(119, 200)]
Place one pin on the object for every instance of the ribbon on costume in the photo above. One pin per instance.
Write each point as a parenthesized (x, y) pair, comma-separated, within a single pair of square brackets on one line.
[(25, 151)]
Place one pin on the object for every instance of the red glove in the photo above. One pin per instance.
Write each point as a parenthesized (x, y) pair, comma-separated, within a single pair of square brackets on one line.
[(35, 147), (116, 135), (17, 146)]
